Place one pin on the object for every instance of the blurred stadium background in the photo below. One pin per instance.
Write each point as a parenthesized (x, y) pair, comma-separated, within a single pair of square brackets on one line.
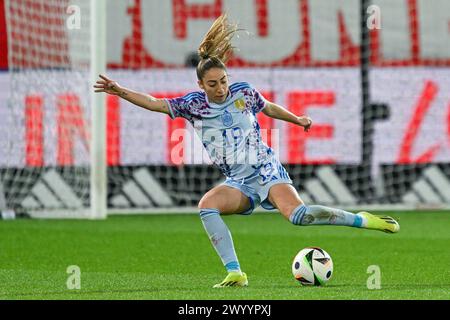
[(377, 90)]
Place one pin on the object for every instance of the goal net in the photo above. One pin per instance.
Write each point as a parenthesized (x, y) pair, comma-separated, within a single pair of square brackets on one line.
[(371, 74), (49, 157)]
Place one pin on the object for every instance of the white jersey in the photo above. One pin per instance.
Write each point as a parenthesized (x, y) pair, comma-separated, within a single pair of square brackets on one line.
[(229, 131)]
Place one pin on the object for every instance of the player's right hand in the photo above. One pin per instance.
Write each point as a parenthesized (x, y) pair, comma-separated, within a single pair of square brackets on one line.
[(104, 84)]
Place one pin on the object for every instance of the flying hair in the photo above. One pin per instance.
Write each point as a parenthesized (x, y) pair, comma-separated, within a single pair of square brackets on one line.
[(216, 48)]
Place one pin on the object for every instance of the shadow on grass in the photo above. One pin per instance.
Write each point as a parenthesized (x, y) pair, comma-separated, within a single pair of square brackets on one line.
[(88, 292)]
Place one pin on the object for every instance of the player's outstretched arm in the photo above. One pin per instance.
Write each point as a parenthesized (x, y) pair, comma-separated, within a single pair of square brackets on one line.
[(278, 112), (104, 84)]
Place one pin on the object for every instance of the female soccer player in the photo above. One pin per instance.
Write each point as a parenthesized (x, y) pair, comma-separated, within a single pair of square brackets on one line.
[(224, 117)]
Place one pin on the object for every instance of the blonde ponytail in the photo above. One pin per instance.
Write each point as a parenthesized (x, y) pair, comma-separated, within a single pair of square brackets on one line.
[(216, 48), (217, 41)]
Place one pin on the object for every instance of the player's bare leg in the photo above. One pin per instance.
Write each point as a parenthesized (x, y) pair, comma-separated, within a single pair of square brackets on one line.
[(286, 199), (224, 200)]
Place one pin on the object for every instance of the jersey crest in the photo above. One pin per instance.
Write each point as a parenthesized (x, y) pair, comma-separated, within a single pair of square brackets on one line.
[(240, 104), (227, 119)]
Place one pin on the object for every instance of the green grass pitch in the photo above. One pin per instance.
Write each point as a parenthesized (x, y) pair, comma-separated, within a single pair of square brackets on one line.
[(170, 257)]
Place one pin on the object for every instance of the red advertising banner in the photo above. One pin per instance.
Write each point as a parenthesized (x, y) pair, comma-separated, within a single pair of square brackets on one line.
[(289, 33), (48, 127)]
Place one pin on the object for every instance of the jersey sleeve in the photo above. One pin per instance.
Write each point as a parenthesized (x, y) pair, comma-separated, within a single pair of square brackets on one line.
[(178, 107), (259, 102)]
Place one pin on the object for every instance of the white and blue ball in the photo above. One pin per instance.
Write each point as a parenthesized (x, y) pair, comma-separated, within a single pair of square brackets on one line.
[(312, 266)]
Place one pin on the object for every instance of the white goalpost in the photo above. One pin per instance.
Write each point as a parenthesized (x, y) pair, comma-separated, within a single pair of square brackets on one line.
[(98, 118)]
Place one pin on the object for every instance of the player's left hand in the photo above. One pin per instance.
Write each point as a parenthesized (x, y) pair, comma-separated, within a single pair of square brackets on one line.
[(305, 122)]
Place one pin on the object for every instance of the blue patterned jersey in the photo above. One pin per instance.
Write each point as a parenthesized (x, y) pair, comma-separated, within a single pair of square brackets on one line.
[(229, 131)]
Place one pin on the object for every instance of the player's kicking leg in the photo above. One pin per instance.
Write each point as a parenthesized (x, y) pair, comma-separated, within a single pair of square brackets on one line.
[(224, 200), (286, 199)]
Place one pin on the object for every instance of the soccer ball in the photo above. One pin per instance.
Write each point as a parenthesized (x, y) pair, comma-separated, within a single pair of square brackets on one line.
[(312, 266)]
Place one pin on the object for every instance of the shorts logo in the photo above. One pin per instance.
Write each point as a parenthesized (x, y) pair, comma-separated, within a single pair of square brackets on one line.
[(227, 119), (240, 104)]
